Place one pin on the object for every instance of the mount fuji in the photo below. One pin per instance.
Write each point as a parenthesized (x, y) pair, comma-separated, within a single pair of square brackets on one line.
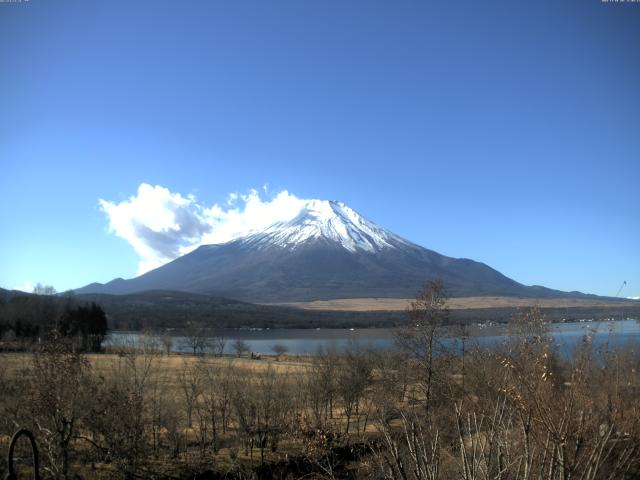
[(328, 251)]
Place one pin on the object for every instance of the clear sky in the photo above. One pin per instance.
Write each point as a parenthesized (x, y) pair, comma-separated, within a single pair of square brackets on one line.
[(503, 131)]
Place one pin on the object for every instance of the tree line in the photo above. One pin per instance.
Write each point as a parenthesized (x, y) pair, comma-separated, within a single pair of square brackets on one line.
[(27, 320)]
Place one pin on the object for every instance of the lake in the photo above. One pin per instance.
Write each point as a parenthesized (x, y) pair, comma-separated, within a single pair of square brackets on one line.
[(307, 341)]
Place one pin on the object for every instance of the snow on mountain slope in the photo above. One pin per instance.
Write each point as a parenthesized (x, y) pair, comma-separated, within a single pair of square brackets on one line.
[(328, 220)]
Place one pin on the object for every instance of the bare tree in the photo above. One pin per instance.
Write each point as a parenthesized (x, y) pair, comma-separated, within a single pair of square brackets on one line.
[(354, 375), (41, 289), (120, 419), (241, 347), (60, 389), (167, 342), (279, 349), (410, 451), (321, 384), (196, 338), (150, 342), (243, 403), (190, 385), (217, 342), (211, 376), (420, 336)]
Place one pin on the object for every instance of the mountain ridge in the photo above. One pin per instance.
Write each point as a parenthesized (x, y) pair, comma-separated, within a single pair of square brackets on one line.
[(327, 251)]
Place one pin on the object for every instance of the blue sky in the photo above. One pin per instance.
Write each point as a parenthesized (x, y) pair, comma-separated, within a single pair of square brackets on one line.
[(506, 132)]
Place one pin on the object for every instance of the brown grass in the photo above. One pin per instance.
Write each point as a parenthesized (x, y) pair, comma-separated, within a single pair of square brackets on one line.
[(459, 303), (175, 362)]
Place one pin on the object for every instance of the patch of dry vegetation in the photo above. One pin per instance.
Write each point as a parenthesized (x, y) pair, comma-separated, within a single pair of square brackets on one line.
[(457, 303)]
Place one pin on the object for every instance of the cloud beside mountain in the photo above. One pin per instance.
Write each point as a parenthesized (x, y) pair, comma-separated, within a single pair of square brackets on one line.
[(162, 225)]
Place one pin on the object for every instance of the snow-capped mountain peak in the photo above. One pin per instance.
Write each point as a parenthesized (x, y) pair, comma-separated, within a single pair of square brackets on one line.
[(329, 221), (323, 251)]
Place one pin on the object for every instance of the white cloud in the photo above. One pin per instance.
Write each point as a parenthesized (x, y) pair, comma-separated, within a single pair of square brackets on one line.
[(232, 198), (161, 225), (634, 298)]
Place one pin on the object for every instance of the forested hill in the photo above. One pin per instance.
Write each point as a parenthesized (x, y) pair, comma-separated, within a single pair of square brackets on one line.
[(170, 309), (162, 309)]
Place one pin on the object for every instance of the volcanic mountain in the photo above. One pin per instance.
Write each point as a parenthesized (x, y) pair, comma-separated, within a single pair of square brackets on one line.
[(328, 251)]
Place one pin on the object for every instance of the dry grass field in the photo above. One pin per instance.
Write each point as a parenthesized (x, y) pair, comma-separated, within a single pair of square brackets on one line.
[(171, 383), (358, 413), (172, 364), (460, 303)]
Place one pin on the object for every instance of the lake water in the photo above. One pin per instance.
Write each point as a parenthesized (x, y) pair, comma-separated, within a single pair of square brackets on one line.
[(306, 341)]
